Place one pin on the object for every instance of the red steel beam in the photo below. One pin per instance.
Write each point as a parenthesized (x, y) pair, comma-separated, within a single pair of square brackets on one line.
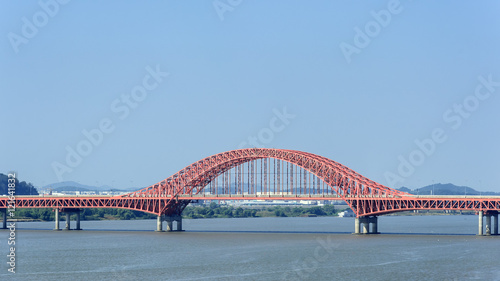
[(363, 195)]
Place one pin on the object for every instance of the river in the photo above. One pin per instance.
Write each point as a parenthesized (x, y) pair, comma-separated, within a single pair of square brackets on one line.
[(318, 248)]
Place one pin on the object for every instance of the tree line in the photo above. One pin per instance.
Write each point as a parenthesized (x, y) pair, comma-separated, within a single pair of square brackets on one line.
[(213, 210), (48, 214), (218, 211)]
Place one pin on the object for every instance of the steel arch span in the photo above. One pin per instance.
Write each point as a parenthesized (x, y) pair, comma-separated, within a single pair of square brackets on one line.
[(170, 196), (364, 196), (189, 183)]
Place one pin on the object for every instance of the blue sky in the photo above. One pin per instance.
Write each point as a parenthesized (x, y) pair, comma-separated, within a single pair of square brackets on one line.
[(233, 67)]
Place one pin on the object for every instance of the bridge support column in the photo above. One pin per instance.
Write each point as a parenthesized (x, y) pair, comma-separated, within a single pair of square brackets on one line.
[(364, 223), (169, 225), (68, 213), (170, 220), (57, 219), (488, 224), (179, 224), (495, 223), (4, 215), (374, 223), (78, 221), (480, 228), (159, 222), (68, 221)]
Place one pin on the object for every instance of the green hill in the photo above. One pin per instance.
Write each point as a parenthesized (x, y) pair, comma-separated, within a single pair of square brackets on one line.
[(446, 189), (22, 188)]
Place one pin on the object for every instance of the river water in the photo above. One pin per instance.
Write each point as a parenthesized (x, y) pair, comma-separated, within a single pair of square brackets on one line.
[(321, 248)]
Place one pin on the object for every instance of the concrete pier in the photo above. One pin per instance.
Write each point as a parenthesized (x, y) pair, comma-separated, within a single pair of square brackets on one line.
[(480, 228), (488, 224), (495, 224), (159, 223), (4, 215), (68, 213), (68, 221), (57, 219), (170, 223), (364, 223), (374, 223), (179, 224), (489, 227), (78, 221)]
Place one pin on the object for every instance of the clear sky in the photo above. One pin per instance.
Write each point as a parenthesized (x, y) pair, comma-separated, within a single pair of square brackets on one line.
[(405, 93)]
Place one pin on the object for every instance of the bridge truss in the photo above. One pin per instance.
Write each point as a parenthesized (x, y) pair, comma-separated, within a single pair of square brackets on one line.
[(264, 174)]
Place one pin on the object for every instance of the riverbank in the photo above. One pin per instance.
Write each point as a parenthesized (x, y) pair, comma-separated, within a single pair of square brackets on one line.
[(216, 211), (191, 212)]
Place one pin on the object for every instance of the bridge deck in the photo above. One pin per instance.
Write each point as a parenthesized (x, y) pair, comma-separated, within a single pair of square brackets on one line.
[(259, 197)]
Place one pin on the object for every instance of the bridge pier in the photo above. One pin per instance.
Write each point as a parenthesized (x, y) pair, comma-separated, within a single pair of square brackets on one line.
[(364, 223), (171, 219), (491, 228), (4, 215), (68, 221), (78, 221), (495, 223), (68, 213), (488, 224), (374, 222), (57, 219), (480, 228), (159, 222), (170, 223), (179, 224)]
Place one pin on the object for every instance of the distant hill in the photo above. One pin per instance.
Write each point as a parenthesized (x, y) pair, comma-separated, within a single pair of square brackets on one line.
[(445, 189), (74, 186), (22, 188), (71, 188)]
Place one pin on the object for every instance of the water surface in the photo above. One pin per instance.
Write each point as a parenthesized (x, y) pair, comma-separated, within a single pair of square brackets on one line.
[(321, 248)]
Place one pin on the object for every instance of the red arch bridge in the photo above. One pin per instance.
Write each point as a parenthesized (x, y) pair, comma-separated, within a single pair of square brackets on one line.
[(265, 175)]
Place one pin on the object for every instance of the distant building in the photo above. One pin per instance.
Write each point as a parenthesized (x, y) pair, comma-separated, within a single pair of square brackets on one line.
[(348, 213)]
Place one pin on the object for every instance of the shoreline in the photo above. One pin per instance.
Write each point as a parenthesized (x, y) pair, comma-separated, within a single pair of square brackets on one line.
[(402, 214)]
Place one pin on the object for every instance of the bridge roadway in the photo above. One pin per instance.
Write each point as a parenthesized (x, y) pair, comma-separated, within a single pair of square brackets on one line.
[(72, 205)]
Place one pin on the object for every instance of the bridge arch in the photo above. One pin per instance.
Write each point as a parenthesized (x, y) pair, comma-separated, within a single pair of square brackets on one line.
[(192, 179)]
